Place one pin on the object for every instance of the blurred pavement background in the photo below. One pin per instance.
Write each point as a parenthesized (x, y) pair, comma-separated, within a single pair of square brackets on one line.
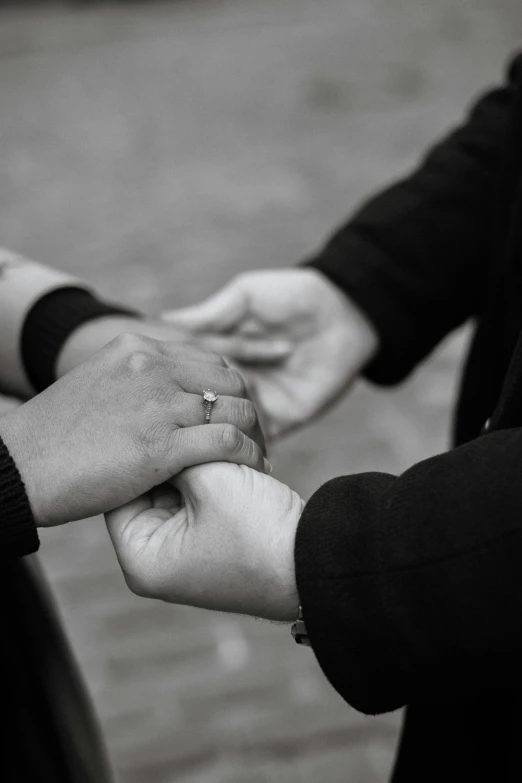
[(156, 149)]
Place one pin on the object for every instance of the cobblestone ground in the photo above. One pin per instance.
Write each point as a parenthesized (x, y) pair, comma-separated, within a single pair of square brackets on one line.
[(156, 149)]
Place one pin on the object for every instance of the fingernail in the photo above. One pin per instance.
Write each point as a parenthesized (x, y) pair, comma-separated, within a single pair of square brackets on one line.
[(268, 466)]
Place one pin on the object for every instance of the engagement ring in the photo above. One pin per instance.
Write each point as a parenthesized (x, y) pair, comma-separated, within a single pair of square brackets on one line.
[(209, 398)]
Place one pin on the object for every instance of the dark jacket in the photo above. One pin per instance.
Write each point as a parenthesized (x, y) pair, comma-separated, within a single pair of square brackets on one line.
[(412, 586)]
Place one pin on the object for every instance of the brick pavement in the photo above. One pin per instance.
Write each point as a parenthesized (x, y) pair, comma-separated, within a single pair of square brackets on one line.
[(156, 149)]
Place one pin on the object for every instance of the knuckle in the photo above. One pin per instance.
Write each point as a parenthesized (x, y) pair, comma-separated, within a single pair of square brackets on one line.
[(178, 401), (144, 442), (190, 374), (237, 383), (155, 440), (128, 342), (232, 439), (152, 428), (203, 355), (244, 414), (140, 362), (217, 358)]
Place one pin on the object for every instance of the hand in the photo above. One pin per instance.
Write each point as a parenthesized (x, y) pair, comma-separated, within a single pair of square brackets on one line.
[(125, 421), (217, 536), (295, 336), (93, 335)]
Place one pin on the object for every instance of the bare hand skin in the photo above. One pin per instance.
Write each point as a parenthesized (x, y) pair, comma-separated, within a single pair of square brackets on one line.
[(93, 335), (298, 340), (217, 536), (125, 421)]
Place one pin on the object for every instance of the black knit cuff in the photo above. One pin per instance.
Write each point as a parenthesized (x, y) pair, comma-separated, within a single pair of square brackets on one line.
[(18, 534), (50, 322)]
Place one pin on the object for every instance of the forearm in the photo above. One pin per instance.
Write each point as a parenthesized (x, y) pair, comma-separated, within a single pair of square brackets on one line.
[(411, 586)]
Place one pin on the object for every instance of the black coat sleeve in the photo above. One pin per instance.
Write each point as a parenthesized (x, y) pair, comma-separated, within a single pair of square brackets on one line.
[(411, 587), (415, 258)]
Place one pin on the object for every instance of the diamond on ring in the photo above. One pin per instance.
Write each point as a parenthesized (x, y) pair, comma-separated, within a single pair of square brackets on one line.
[(209, 398)]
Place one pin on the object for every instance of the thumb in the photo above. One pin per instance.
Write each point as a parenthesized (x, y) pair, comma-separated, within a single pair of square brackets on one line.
[(219, 312), (119, 519), (191, 481), (206, 483), (182, 481)]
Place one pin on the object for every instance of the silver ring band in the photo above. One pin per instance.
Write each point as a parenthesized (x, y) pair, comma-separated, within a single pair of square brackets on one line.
[(209, 398)]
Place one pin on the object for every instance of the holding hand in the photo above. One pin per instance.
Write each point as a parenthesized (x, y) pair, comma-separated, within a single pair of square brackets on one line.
[(125, 421), (217, 536), (297, 338), (94, 334)]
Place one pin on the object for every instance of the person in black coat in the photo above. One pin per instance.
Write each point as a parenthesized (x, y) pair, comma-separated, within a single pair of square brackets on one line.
[(410, 587)]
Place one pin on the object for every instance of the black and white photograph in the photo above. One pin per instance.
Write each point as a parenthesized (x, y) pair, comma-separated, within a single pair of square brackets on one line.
[(261, 391)]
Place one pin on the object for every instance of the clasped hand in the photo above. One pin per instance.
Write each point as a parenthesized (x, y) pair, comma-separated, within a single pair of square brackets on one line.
[(217, 536), (222, 536), (113, 432), (124, 421), (124, 430)]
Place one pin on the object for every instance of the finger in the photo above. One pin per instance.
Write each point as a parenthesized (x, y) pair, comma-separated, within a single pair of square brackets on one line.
[(219, 312), (237, 411), (182, 481), (129, 519), (194, 377), (252, 327), (249, 350), (166, 498), (187, 481), (119, 518), (189, 353), (130, 343), (216, 443)]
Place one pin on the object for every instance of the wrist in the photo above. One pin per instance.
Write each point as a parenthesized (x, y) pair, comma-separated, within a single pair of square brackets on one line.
[(17, 438), (364, 336), (17, 525), (285, 603)]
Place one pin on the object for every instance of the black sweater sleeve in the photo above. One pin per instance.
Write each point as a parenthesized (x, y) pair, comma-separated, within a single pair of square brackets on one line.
[(49, 323), (47, 326), (411, 587), (415, 258), (18, 534)]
